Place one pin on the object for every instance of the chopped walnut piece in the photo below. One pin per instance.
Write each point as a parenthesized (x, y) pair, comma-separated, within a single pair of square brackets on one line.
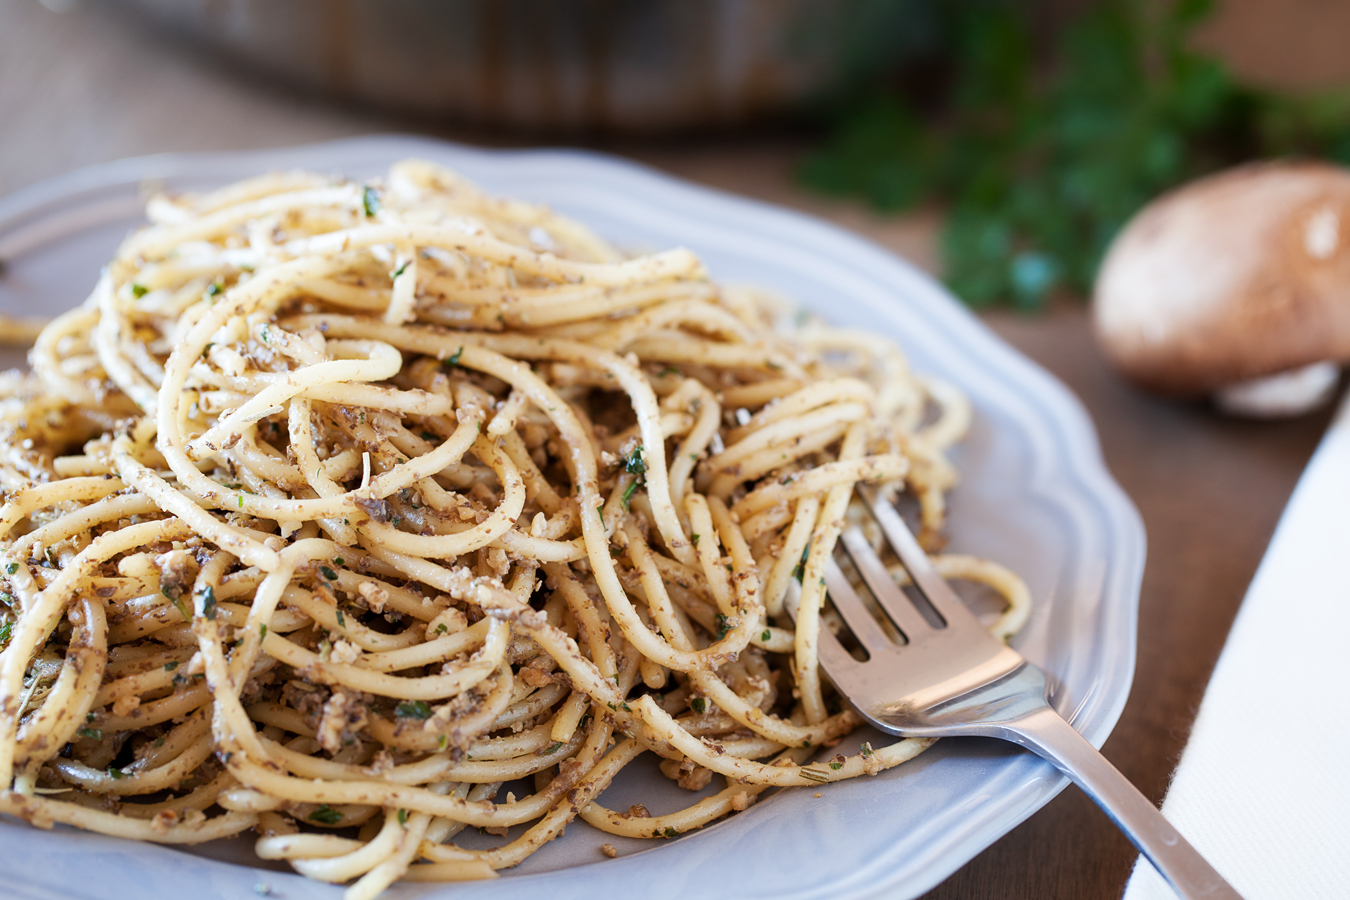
[(163, 820), (344, 715), (344, 652), (609, 850), (374, 595)]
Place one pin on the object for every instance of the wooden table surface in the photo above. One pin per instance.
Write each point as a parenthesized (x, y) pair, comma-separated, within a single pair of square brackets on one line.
[(88, 86)]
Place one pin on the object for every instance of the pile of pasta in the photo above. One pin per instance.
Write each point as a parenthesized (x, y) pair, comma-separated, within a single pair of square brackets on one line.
[(354, 515)]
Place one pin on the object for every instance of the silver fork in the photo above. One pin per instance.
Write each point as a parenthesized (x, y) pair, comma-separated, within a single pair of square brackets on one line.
[(957, 679)]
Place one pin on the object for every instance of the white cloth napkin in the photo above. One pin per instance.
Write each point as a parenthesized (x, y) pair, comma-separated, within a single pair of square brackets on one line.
[(1263, 788)]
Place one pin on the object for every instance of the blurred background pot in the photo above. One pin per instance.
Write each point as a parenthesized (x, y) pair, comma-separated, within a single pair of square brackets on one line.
[(550, 65)]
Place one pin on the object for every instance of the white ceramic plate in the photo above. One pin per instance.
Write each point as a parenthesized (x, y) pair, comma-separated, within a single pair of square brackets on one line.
[(1035, 495)]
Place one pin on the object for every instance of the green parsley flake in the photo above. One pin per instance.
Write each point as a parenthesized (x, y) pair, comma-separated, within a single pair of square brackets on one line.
[(633, 463), (209, 603), (325, 815), (413, 709), (699, 705), (342, 620), (328, 573), (765, 636), (370, 201), (11, 568), (801, 565), (403, 817), (453, 359), (116, 773), (92, 733), (171, 665), (139, 290)]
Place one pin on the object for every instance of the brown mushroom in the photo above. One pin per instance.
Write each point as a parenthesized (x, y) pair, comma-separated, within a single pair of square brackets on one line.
[(1236, 286)]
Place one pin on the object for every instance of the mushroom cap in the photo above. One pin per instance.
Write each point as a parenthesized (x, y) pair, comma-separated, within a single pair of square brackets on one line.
[(1233, 277)]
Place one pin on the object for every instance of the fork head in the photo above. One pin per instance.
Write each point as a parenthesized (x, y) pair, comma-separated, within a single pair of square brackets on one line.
[(947, 676)]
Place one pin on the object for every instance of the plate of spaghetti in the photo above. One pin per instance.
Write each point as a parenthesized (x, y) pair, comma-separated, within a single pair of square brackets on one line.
[(376, 512)]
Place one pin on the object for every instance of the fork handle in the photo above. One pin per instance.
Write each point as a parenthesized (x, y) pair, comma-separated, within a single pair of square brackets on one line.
[(1045, 732)]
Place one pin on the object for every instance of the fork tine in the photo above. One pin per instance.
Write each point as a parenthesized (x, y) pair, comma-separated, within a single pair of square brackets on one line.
[(888, 594), (839, 663), (853, 611), (933, 585)]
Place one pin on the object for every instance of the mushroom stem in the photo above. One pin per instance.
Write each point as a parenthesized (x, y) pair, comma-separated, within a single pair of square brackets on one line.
[(1282, 395)]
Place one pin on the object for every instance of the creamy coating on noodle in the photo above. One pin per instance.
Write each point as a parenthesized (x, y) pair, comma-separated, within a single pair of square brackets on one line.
[(353, 515)]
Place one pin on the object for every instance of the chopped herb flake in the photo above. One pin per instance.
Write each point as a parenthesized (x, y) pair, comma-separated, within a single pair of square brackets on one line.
[(633, 463), (11, 568), (699, 705), (452, 359), (413, 709), (370, 201), (765, 635), (139, 290), (403, 817), (92, 733), (209, 603), (338, 560), (325, 815), (328, 573), (801, 565), (723, 626), (400, 270), (171, 665), (116, 773), (671, 832)]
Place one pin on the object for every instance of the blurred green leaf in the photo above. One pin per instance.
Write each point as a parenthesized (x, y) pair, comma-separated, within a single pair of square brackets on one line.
[(1041, 166)]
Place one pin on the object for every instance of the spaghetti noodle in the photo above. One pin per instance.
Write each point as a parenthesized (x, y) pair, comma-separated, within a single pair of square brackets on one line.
[(340, 509)]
